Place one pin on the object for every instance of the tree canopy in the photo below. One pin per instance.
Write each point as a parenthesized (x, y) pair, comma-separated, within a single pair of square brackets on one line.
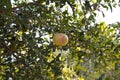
[(27, 51)]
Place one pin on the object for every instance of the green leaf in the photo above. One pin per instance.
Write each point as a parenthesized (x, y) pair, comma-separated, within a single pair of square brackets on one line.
[(110, 6)]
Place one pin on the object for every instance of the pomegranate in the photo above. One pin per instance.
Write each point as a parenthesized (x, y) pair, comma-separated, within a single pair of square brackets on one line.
[(60, 39)]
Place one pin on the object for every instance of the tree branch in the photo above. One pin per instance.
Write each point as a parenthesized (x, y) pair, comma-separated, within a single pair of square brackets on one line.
[(20, 6)]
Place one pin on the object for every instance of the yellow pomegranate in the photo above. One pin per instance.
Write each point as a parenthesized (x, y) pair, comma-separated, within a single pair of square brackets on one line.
[(60, 39)]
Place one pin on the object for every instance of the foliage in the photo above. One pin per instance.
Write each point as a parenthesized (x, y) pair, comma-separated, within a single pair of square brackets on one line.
[(27, 51)]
